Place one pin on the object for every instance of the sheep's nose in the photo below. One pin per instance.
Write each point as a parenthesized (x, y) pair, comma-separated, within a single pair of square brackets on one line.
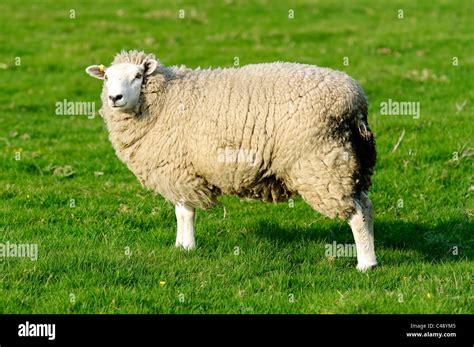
[(115, 97)]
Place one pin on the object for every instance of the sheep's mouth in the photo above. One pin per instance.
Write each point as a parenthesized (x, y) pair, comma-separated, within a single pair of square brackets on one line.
[(118, 106)]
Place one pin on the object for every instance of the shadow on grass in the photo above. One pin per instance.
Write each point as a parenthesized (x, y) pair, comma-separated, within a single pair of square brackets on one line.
[(435, 243)]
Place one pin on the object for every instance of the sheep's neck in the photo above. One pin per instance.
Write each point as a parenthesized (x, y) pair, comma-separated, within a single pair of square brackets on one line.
[(126, 132)]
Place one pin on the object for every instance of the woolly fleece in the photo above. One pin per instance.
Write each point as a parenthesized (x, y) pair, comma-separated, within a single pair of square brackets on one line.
[(303, 127)]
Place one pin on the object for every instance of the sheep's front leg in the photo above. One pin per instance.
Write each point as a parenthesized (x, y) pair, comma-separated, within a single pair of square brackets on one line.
[(361, 223), (185, 220)]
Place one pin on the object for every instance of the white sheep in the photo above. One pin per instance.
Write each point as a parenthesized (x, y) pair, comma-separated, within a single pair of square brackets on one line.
[(262, 131)]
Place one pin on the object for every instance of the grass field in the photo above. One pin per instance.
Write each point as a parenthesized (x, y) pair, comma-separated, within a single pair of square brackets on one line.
[(107, 246)]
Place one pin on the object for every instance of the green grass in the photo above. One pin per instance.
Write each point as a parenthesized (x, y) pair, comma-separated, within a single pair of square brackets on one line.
[(82, 249)]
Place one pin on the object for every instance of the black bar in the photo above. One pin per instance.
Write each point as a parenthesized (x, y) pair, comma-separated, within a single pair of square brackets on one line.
[(319, 330)]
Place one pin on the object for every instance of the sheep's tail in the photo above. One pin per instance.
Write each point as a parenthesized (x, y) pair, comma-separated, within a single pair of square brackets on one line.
[(364, 147)]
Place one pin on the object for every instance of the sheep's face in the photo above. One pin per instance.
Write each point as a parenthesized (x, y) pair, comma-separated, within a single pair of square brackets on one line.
[(123, 82)]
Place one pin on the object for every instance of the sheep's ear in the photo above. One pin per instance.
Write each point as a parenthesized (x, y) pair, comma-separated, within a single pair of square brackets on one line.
[(150, 66), (97, 71)]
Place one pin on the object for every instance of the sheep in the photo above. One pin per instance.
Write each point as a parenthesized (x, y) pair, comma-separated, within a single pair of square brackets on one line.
[(263, 131)]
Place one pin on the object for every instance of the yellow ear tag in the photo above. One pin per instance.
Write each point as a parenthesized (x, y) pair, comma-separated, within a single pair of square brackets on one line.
[(101, 68)]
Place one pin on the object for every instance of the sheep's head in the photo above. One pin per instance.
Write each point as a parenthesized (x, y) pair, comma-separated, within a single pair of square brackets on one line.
[(123, 82)]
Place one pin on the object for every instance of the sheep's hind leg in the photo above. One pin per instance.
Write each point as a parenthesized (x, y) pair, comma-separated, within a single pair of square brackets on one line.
[(361, 223), (327, 186), (185, 223)]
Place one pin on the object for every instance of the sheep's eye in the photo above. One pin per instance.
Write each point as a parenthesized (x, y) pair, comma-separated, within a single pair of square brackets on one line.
[(106, 77), (138, 76)]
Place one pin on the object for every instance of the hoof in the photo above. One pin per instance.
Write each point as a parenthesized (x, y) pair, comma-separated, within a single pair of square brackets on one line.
[(365, 267), (185, 246)]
